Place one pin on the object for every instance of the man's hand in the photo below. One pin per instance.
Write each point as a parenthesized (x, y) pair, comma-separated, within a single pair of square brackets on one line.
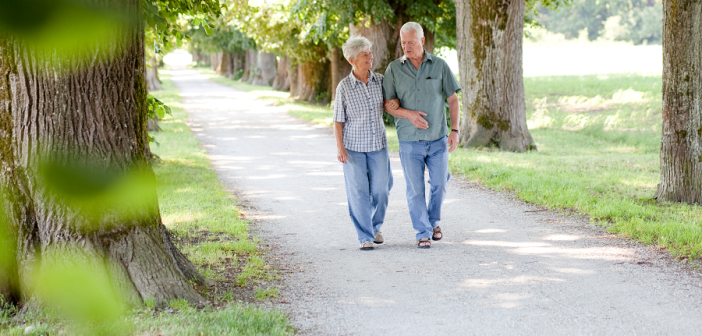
[(342, 155), (418, 121), (452, 141)]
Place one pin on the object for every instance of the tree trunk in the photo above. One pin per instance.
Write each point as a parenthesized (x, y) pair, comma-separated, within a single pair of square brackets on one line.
[(489, 36), (215, 59), (254, 69), (382, 37), (281, 78), (153, 83), (247, 66), (681, 143), (293, 79), (266, 64), (93, 109), (428, 40), (225, 65), (335, 71)]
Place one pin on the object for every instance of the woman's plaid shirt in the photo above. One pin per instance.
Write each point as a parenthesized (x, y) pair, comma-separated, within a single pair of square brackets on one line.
[(360, 108)]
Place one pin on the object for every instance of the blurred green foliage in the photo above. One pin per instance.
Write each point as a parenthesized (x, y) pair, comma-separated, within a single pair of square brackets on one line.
[(78, 287), (637, 21)]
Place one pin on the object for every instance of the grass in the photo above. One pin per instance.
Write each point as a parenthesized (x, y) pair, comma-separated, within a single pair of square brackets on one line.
[(598, 139), (208, 227)]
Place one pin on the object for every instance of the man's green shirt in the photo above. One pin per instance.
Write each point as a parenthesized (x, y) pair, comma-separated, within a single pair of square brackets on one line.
[(422, 90)]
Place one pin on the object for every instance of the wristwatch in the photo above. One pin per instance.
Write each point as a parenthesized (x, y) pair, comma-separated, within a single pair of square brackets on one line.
[(455, 130)]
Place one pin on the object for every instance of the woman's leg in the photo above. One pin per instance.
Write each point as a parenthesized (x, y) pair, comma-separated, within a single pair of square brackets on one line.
[(380, 176), (358, 194)]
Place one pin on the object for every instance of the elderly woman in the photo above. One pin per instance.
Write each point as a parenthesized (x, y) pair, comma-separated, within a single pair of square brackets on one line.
[(361, 142)]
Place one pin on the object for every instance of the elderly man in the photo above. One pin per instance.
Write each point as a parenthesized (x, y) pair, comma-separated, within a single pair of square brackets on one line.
[(414, 89)]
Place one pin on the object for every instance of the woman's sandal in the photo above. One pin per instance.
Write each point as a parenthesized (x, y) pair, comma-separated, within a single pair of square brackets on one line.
[(424, 243), (437, 232)]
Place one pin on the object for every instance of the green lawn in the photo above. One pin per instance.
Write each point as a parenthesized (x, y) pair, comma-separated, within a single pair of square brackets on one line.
[(208, 227), (598, 139)]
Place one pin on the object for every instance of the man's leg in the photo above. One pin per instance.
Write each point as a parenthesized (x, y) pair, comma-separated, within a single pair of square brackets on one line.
[(380, 176), (412, 156), (437, 163), (358, 195)]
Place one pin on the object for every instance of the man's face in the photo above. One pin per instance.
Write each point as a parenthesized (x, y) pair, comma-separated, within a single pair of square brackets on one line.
[(411, 44)]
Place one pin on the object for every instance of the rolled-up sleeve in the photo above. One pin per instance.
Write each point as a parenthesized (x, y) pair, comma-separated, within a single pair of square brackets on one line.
[(389, 92), (339, 105), (450, 83)]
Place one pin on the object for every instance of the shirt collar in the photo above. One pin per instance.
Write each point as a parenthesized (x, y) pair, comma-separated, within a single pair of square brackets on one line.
[(356, 81), (427, 57)]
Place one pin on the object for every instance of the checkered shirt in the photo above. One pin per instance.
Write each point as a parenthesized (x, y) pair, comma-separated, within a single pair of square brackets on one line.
[(360, 108)]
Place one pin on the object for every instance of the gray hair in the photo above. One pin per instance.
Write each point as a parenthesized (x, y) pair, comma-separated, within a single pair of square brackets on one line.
[(354, 45), (409, 26)]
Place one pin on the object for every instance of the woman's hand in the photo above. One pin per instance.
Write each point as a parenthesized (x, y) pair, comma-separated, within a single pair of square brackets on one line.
[(392, 104), (342, 155)]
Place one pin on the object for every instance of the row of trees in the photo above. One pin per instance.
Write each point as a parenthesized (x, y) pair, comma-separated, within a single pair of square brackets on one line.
[(75, 166), (305, 35)]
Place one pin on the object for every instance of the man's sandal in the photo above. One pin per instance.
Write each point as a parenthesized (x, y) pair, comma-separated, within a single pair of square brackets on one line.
[(424, 243), (366, 246), (437, 234)]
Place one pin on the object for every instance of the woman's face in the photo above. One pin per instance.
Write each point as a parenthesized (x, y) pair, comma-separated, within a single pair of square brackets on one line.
[(363, 61)]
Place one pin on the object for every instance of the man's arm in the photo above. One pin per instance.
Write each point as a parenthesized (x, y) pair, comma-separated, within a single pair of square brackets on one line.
[(454, 113), (413, 116)]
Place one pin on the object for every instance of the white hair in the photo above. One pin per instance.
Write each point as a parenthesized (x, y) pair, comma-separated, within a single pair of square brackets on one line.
[(354, 45), (409, 26)]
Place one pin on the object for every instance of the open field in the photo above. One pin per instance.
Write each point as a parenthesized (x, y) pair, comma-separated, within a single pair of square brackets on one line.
[(207, 226), (598, 139)]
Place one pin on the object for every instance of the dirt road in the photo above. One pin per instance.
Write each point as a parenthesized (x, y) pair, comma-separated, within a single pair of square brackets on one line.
[(503, 268)]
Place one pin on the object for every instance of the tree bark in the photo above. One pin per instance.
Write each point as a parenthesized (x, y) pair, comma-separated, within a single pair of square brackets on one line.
[(335, 70), (281, 82), (254, 69), (428, 40), (153, 83), (382, 37), (681, 143), (293, 79), (215, 59), (225, 65), (266, 64), (489, 40), (91, 109), (247, 66)]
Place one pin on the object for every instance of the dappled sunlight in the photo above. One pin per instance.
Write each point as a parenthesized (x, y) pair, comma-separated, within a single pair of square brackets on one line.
[(339, 173), (510, 300), (518, 280), (323, 189), (504, 243), (369, 302), (603, 253), (267, 177), (576, 271), (554, 251), (265, 217), (561, 237), (490, 231)]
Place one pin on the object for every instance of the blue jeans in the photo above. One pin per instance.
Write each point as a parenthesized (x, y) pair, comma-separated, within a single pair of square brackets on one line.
[(415, 155), (368, 183)]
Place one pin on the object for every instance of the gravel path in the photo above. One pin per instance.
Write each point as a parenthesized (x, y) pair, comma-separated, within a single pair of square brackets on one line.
[(503, 268)]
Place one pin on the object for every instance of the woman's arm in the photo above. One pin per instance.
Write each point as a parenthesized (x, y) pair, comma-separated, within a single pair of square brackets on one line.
[(341, 155), (413, 116)]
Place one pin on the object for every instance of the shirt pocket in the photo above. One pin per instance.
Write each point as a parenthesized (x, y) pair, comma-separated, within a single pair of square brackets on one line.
[(435, 85)]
